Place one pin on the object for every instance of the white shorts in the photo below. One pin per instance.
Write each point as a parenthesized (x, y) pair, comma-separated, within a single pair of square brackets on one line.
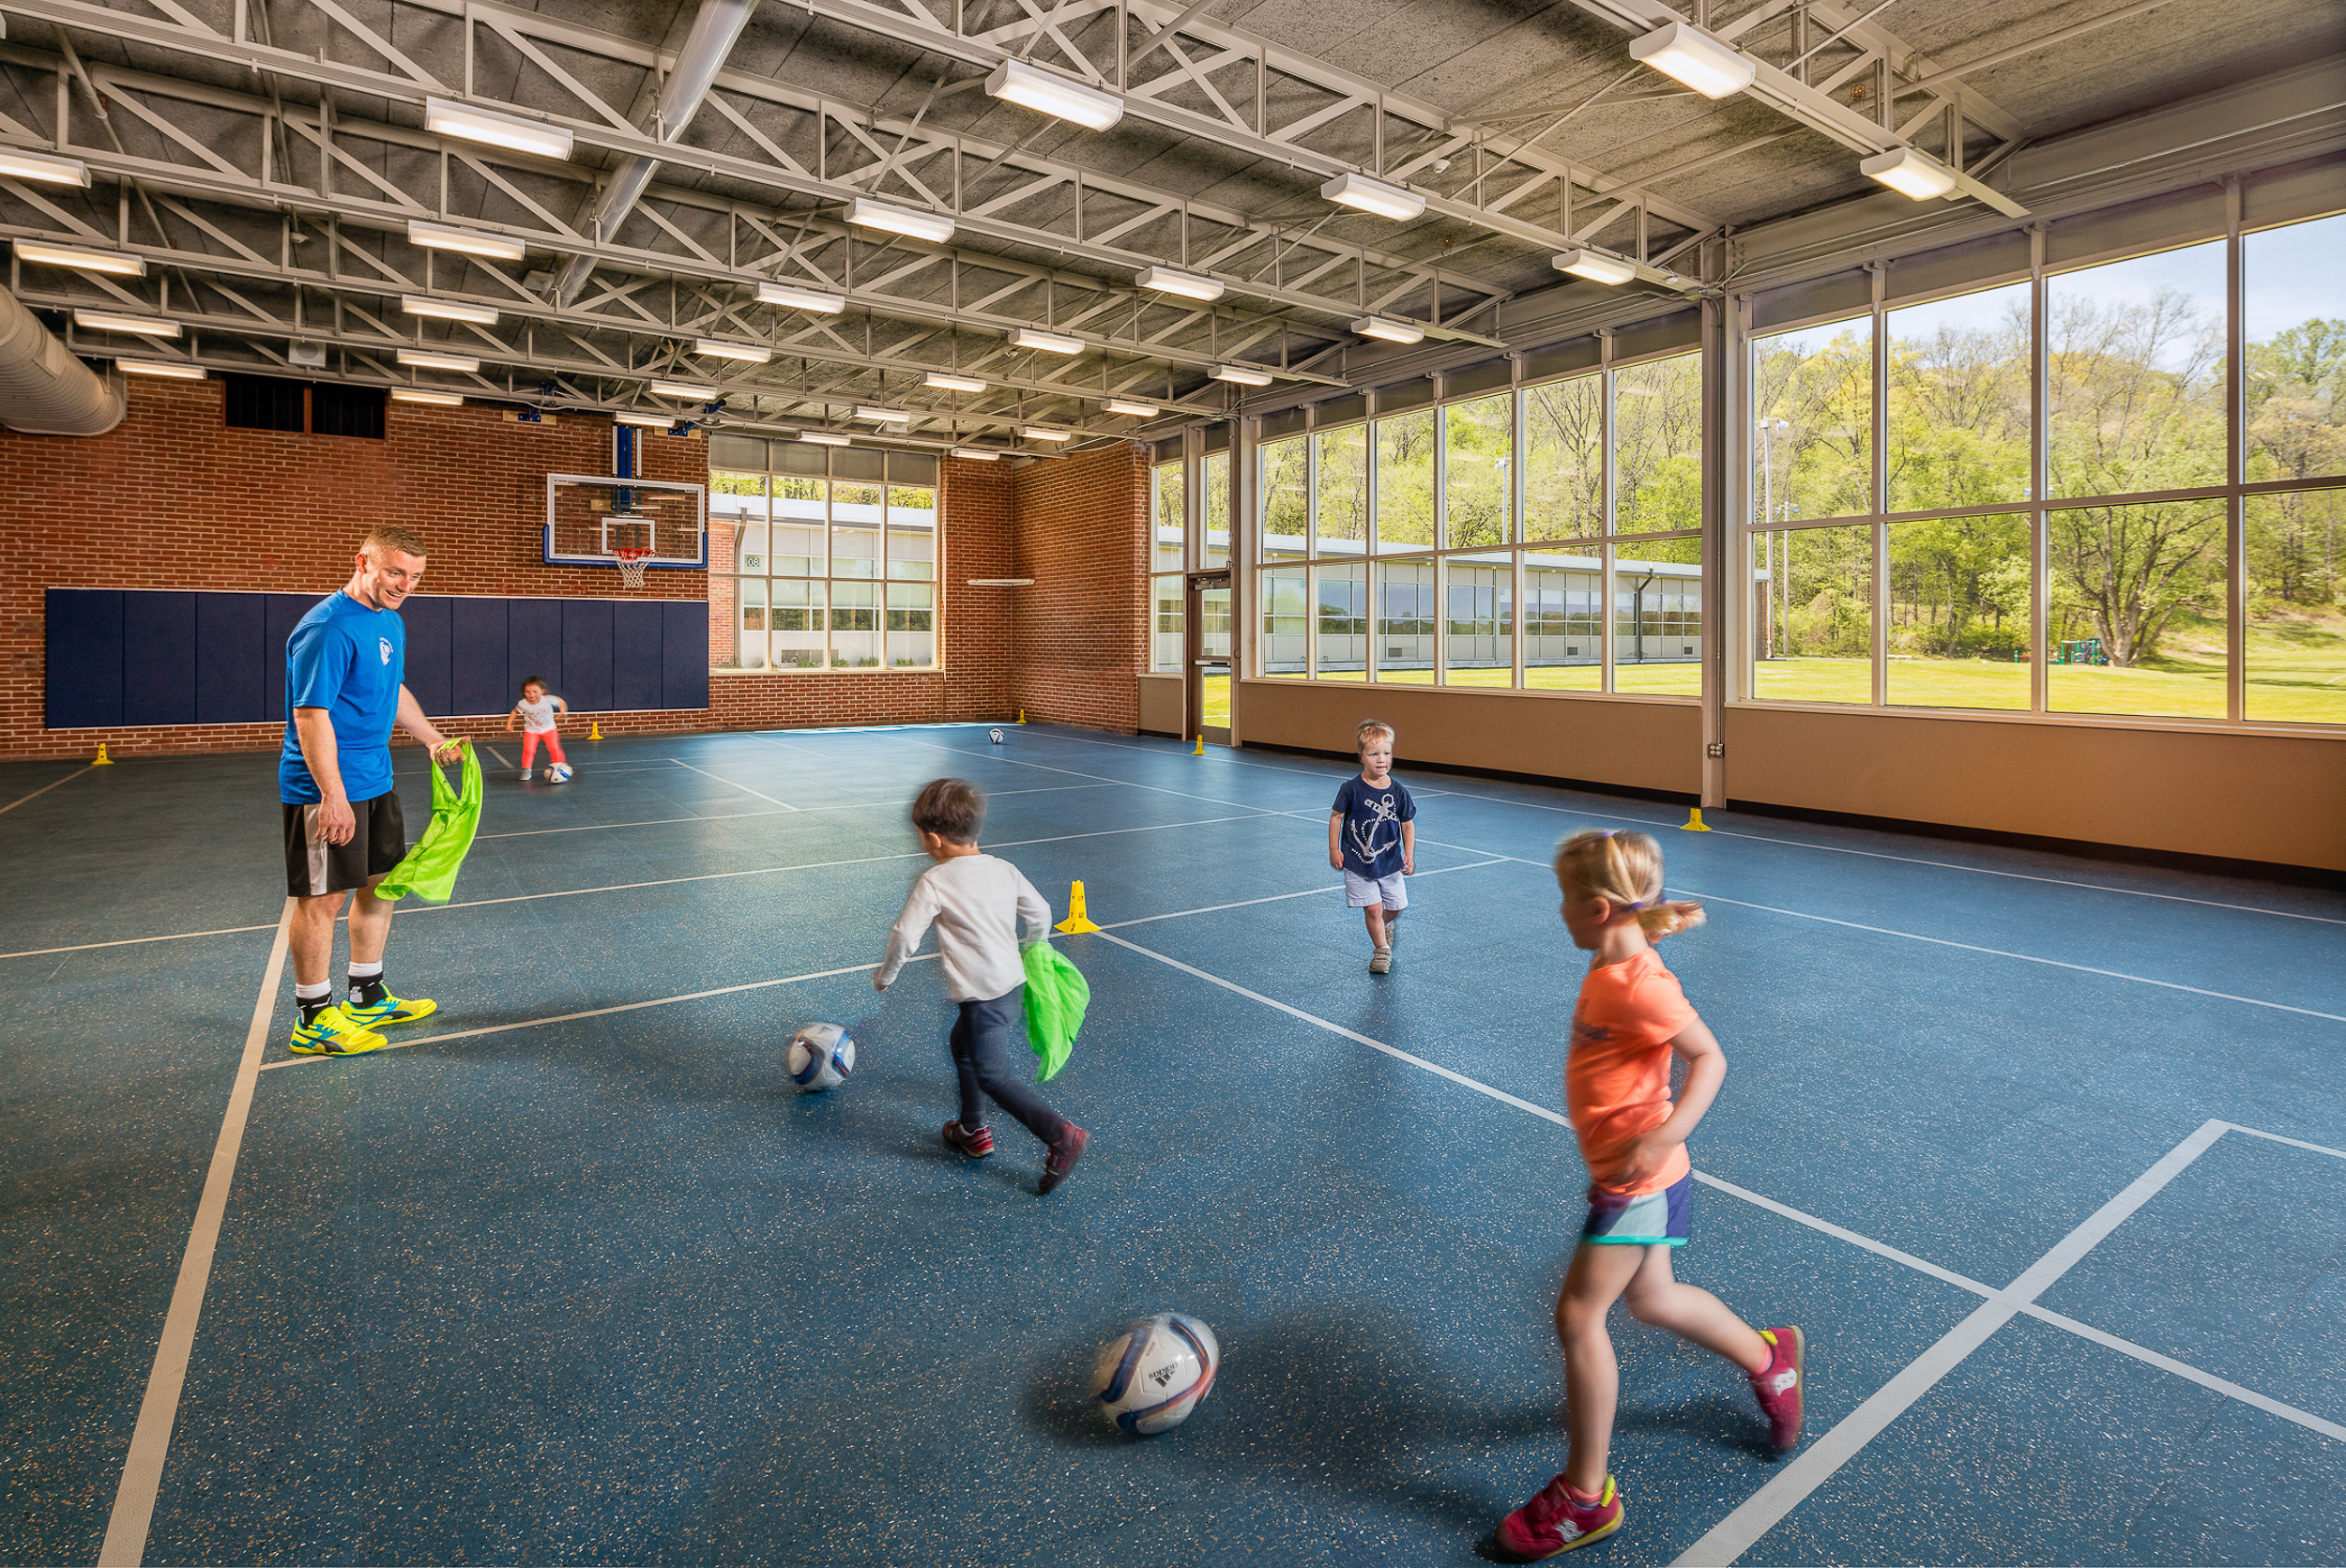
[(1361, 891)]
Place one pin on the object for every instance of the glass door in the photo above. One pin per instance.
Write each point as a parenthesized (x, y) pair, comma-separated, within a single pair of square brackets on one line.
[(1207, 692)]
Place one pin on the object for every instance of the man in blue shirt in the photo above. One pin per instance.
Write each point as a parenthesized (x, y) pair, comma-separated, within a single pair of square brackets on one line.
[(345, 664)]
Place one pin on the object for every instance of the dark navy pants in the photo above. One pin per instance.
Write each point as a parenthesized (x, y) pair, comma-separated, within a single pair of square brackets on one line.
[(981, 1047)]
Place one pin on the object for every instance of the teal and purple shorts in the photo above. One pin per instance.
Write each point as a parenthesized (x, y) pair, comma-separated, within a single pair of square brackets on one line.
[(1642, 1220)]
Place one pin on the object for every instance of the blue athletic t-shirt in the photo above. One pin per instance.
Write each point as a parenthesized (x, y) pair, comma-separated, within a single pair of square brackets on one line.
[(349, 660), (1371, 834)]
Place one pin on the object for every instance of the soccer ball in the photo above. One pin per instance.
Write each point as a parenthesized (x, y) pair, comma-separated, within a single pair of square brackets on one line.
[(1148, 1380), (995, 736), (559, 774), (821, 1057)]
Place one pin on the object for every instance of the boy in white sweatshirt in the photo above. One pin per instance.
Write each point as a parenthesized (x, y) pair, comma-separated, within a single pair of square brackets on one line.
[(976, 901)]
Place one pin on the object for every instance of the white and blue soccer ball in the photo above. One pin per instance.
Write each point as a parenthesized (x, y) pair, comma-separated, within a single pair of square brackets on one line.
[(1150, 1380), (995, 736), (821, 1057), (559, 774)]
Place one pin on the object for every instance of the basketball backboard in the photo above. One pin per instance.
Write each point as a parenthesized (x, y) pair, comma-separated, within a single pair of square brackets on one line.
[(590, 518)]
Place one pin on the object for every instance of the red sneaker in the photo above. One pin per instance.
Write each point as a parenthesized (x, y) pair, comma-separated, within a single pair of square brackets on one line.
[(977, 1145), (1779, 1387), (1556, 1521), (1062, 1157)]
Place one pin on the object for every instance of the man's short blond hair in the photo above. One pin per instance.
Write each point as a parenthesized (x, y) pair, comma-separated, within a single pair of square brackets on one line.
[(389, 539)]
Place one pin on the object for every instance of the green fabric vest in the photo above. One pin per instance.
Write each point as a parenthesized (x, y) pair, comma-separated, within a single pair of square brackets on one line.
[(1056, 995), (428, 872)]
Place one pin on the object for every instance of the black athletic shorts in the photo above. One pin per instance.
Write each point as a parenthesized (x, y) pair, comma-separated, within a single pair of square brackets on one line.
[(314, 866)]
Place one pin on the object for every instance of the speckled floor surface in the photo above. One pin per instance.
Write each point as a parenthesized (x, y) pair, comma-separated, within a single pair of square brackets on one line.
[(605, 1289)]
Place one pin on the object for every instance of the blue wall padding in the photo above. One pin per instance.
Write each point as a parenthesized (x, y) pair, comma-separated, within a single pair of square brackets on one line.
[(586, 654), (636, 682), (684, 653), (477, 655), (158, 676), (431, 668), (120, 657), (231, 675), (84, 660)]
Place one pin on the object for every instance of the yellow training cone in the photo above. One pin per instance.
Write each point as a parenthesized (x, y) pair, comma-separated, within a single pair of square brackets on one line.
[(594, 730), (101, 759), (1077, 919), (1022, 715), (1201, 747), (1694, 823)]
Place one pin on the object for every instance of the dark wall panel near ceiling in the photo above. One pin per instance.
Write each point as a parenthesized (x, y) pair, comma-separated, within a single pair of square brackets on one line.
[(586, 654), (138, 657), (231, 658), (159, 658)]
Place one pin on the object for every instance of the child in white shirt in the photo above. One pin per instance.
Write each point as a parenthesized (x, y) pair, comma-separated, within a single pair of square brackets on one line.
[(536, 712), (976, 902)]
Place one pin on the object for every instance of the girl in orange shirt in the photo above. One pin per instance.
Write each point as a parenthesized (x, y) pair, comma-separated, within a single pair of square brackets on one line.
[(1631, 1019)]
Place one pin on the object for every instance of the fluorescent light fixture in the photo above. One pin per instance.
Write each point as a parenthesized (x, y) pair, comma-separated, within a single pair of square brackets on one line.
[(648, 421), (447, 309), (683, 389), (417, 394), (445, 118), (1372, 195), (824, 438), (900, 220), (791, 297), (718, 348), (944, 383), (884, 416), (1124, 405), (1055, 96), (74, 256), (1595, 265), (1189, 286), (176, 370), (1391, 332), (1050, 342), (1909, 173), (107, 320), (417, 358), (1040, 432), (976, 454), (470, 242), (1682, 49), (1245, 376), (41, 166)]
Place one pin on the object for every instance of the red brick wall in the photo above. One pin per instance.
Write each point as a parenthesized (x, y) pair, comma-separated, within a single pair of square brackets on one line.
[(173, 499), (1081, 529)]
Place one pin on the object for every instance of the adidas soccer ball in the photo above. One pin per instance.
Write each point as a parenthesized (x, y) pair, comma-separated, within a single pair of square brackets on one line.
[(821, 1057), (1148, 1380), (996, 736), (559, 772)]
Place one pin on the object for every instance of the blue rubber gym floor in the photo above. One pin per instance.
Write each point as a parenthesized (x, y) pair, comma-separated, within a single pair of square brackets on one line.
[(2044, 1154)]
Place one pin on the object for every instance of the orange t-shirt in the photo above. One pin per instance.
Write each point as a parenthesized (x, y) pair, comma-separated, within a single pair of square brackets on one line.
[(1617, 1076)]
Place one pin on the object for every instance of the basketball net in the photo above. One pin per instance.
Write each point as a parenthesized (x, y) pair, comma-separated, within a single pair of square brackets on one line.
[(632, 564)]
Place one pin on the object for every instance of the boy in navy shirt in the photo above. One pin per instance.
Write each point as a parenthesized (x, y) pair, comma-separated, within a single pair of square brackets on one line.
[(1372, 839)]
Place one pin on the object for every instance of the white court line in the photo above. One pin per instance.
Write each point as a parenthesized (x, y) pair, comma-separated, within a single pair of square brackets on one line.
[(736, 816), (47, 788), (502, 760), (1764, 838), (150, 1440), (742, 787)]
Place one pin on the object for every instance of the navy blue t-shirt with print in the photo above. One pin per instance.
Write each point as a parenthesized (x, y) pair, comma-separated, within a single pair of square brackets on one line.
[(1371, 834)]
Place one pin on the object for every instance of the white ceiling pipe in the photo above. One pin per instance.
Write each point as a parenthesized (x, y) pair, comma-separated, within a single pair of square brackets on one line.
[(44, 390), (715, 30)]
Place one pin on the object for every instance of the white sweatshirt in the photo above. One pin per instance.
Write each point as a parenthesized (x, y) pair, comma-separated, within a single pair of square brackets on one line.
[(975, 901)]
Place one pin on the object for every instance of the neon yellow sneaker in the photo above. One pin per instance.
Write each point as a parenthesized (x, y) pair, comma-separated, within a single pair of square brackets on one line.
[(391, 1009), (334, 1033)]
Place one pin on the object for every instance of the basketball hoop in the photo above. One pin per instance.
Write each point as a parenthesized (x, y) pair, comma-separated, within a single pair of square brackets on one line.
[(632, 564)]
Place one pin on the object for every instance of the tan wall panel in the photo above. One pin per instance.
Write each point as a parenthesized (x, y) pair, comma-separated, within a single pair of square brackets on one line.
[(1641, 745), (2280, 798), (1160, 704)]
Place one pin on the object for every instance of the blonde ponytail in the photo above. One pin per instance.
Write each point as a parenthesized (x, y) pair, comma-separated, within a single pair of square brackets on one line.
[(1626, 870)]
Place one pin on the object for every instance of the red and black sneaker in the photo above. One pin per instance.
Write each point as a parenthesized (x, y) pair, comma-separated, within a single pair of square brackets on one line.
[(1062, 1157), (977, 1145), (1779, 1386), (1556, 1520)]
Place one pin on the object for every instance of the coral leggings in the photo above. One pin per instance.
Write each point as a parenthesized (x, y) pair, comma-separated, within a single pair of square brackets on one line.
[(530, 748)]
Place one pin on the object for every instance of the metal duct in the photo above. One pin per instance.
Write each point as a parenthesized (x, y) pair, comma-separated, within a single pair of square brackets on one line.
[(715, 29), (44, 390)]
